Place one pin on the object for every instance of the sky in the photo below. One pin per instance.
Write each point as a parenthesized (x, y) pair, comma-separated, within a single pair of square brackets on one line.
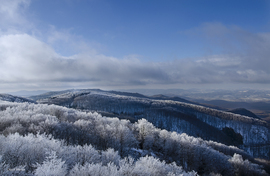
[(127, 44)]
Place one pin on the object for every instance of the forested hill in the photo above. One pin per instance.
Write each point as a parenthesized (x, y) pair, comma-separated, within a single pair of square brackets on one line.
[(246, 132), (41, 139)]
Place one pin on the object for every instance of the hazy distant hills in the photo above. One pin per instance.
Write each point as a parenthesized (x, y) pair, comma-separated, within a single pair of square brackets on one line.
[(261, 109), (243, 111), (248, 95), (257, 101), (234, 105)]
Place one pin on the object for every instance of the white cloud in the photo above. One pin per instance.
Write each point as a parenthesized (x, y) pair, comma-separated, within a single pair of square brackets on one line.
[(26, 60), (221, 61), (64, 41), (29, 61), (12, 15)]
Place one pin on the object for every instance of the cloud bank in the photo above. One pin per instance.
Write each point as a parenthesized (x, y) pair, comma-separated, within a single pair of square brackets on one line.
[(24, 59), (28, 62)]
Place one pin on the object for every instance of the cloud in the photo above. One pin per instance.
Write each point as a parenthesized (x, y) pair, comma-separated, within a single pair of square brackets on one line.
[(36, 62), (246, 53), (13, 15), (64, 41), (26, 60)]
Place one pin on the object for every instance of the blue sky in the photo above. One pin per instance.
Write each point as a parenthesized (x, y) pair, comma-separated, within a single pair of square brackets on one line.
[(112, 44), (154, 29)]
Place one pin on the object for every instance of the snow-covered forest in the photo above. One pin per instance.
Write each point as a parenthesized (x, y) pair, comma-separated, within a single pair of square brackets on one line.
[(248, 133), (41, 139)]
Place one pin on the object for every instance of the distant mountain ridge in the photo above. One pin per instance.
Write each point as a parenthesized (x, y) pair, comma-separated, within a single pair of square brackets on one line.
[(245, 112), (261, 109), (59, 96), (174, 98), (27, 93), (11, 98)]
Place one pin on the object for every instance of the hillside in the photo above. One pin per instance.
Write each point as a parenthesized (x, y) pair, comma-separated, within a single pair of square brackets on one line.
[(41, 139), (182, 117)]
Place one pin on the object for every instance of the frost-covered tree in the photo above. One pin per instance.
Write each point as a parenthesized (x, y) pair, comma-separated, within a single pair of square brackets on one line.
[(245, 167), (27, 150), (110, 156), (82, 142), (79, 155), (52, 166)]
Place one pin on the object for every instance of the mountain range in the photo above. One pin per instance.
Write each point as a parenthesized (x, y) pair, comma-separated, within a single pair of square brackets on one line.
[(198, 137), (172, 114)]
